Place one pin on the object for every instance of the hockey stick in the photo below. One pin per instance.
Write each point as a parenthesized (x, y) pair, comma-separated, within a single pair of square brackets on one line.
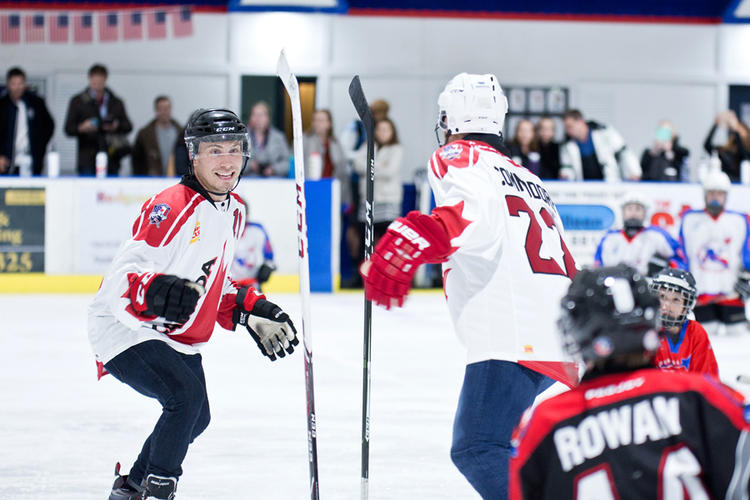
[(363, 110), (292, 88)]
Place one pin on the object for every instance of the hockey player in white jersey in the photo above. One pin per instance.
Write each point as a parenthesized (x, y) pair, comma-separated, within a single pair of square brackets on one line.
[(166, 289), (505, 268), (253, 259), (715, 242), (648, 249)]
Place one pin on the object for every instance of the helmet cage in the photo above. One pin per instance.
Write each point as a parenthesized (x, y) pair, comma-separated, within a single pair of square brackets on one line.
[(667, 282)]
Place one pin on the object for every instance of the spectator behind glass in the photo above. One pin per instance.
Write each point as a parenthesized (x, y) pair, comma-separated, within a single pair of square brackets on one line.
[(270, 152), (665, 159), (524, 148), (97, 118), (735, 149), (25, 126), (595, 152), (549, 150), (388, 190), (324, 157), (154, 149)]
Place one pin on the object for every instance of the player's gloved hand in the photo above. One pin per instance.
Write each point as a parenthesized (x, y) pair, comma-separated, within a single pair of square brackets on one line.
[(743, 284), (270, 327), (408, 242), (165, 295), (265, 270), (655, 264)]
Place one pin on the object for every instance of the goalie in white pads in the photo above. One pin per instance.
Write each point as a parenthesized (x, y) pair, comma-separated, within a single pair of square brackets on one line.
[(648, 249), (505, 267), (166, 289)]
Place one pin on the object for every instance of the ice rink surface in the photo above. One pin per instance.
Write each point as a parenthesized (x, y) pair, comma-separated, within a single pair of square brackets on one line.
[(61, 430)]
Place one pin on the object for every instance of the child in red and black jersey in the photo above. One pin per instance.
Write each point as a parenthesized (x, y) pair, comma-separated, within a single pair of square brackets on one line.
[(684, 345), (628, 431)]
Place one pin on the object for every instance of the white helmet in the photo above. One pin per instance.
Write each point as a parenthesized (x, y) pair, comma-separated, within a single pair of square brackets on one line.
[(636, 198), (716, 180), (472, 103)]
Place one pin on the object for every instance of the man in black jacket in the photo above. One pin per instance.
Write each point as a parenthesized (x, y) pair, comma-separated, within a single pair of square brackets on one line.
[(25, 126), (98, 119)]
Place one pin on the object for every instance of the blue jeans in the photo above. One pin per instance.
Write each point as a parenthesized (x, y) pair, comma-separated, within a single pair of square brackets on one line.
[(176, 380), (493, 397)]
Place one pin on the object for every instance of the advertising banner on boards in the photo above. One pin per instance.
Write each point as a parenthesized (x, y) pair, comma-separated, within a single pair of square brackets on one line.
[(22, 230)]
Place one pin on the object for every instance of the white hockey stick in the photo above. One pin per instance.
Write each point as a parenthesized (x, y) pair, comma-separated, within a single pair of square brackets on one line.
[(292, 88)]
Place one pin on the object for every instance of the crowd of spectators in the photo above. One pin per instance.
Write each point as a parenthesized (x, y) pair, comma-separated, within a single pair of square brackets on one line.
[(98, 120)]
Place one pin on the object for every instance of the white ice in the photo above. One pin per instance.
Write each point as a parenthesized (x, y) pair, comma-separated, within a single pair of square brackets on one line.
[(61, 430)]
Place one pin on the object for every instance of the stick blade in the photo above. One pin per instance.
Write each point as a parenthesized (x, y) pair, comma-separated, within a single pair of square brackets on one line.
[(285, 73), (357, 95)]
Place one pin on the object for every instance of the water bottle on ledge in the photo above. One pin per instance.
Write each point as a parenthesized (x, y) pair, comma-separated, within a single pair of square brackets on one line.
[(101, 165)]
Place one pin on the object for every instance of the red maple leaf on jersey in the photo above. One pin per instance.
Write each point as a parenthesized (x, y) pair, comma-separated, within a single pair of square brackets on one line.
[(451, 216)]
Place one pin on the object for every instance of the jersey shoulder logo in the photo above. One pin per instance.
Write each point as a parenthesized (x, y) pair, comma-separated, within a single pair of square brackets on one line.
[(159, 213), (451, 152)]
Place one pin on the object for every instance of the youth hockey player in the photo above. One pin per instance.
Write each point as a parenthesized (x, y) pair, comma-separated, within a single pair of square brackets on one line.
[(646, 248), (629, 431), (505, 266), (684, 345), (166, 289), (253, 259), (716, 243)]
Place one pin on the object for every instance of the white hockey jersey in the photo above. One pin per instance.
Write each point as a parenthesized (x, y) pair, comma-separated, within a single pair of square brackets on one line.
[(511, 266), (253, 249), (179, 232), (716, 249), (616, 247)]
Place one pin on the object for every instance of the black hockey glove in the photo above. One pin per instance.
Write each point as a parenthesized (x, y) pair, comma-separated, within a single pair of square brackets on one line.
[(269, 326), (743, 284), (165, 295), (655, 264), (265, 270)]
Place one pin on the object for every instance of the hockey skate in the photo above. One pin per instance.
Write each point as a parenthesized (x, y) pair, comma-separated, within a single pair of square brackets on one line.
[(159, 487), (123, 488)]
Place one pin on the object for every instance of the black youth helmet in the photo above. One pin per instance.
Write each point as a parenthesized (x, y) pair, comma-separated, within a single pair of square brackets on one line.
[(608, 312), (682, 282)]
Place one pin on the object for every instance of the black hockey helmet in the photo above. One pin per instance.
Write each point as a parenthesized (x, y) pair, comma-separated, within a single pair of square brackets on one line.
[(608, 312), (682, 282), (215, 124)]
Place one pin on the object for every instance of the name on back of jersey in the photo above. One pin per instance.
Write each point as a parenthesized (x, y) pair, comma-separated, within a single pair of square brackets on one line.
[(645, 420), (531, 188)]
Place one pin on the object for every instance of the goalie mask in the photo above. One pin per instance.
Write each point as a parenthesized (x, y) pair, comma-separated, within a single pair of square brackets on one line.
[(676, 291), (471, 103), (216, 125), (608, 312)]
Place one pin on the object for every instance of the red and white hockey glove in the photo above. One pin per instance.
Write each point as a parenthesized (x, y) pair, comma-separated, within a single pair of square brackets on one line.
[(165, 295), (409, 242)]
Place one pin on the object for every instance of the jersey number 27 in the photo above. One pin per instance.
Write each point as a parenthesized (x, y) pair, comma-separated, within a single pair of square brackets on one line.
[(533, 245)]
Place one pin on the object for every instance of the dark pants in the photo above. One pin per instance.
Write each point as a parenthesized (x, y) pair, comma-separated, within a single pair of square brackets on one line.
[(493, 397), (176, 380)]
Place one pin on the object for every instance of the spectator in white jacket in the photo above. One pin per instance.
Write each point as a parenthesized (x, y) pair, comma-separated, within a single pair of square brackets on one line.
[(388, 190), (595, 152)]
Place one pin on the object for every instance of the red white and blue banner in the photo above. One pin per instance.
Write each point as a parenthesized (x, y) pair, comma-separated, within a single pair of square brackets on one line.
[(150, 23)]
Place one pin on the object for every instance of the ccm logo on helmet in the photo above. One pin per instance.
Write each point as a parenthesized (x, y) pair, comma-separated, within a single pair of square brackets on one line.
[(409, 234), (224, 129)]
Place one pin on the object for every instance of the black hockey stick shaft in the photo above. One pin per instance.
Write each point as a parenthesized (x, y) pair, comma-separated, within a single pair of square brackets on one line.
[(363, 110)]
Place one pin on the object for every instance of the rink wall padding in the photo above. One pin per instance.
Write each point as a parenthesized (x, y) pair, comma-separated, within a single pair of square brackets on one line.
[(85, 220)]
